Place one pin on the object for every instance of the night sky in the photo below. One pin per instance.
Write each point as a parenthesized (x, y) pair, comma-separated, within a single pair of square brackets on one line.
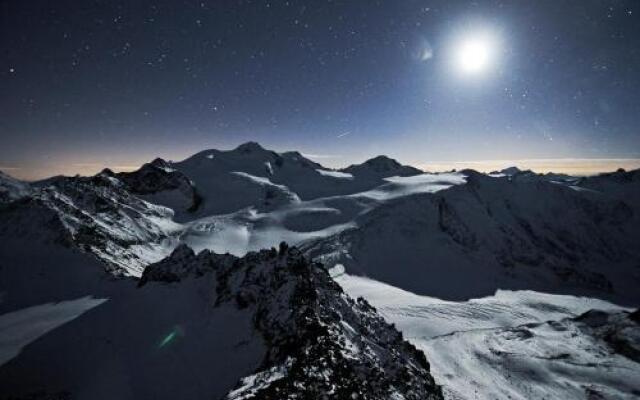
[(89, 84)]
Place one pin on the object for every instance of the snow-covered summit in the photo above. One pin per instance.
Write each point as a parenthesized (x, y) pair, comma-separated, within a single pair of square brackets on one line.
[(381, 167), (223, 178), (249, 147)]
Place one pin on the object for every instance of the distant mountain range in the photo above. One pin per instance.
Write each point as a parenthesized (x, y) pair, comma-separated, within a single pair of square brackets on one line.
[(168, 275)]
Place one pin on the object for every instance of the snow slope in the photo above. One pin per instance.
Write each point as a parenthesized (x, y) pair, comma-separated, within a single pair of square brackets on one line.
[(215, 176), (519, 345), (262, 324), (12, 189), (98, 215), (495, 232), (18, 328), (299, 221), (109, 215), (471, 232), (270, 325), (161, 342)]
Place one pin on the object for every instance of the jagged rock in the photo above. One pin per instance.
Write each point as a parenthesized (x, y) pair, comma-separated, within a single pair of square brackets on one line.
[(159, 183), (184, 262), (97, 215), (621, 331), (320, 342)]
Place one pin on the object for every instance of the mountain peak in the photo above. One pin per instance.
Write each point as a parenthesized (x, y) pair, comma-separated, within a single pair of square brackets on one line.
[(160, 163), (383, 166), (249, 147), (307, 319), (383, 160), (513, 170)]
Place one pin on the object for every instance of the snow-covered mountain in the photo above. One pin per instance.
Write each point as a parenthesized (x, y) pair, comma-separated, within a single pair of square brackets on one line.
[(105, 264), (96, 214), (250, 175), (380, 167), (476, 233), (491, 233), (158, 183), (270, 325)]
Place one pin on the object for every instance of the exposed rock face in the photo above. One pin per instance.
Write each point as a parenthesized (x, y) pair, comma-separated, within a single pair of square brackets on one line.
[(497, 232), (161, 184), (97, 215), (182, 263), (620, 331), (320, 342)]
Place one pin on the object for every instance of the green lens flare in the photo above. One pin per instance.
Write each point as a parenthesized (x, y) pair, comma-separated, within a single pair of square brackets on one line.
[(168, 339)]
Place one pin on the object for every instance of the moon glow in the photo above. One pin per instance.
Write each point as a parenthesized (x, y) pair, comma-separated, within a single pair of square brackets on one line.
[(474, 55)]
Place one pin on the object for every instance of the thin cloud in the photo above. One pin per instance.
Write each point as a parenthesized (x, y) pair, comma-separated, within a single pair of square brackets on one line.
[(87, 165), (576, 166), (343, 134)]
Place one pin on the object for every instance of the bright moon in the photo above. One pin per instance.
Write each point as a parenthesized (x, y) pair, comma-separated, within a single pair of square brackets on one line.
[(474, 55)]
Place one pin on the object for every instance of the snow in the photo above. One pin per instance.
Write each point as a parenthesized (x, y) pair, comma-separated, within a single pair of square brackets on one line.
[(556, 362), (436, 317), (167, 169), (223, 193), (401, 186), (459, 241), (300, 221), (175, 199), (334, 174), (21, 327), (250, 385), (453, 236), (266, 182), (501, 346), (159, 341), (246, 231)]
